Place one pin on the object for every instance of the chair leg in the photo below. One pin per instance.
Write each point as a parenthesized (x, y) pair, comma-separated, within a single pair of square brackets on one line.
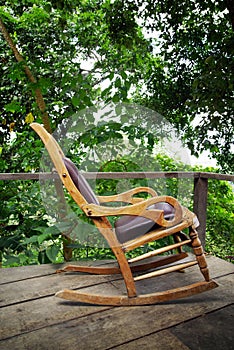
[(177, 239), (199, 253)]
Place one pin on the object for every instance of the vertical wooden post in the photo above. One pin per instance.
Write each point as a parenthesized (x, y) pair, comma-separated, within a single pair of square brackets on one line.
[(200, 206)]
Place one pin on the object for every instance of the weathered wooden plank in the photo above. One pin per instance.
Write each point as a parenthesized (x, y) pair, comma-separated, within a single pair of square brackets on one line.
[(162, 340), (211, 331), (14, 293), (27, 176), (13, 274), (25, 272), (42, 281), (141, 175), (20, 273), (31, 299), (158, 175), (123, 175), (34, 288), (219, 267), (216, 176), (32, 315), (112, 327)]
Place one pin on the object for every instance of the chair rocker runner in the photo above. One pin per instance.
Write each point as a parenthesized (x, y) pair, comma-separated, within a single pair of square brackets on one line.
[(141, 221)]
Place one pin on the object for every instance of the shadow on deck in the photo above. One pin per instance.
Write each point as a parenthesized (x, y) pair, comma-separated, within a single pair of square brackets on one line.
[(32, 318)]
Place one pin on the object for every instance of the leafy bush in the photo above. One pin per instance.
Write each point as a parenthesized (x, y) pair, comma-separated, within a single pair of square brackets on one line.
[(27, 236), (220, 220)]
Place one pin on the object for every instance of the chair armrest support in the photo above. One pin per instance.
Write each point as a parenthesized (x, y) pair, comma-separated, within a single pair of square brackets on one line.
[(139, 209)]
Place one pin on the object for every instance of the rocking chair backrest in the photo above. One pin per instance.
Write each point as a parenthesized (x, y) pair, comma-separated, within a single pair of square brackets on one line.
[(80, 182)]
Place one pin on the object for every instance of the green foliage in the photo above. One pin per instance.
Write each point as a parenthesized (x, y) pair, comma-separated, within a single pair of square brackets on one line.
[(196, 40), (175, 58), (21, 154), (26, 234), (220, 220), (55, 44)]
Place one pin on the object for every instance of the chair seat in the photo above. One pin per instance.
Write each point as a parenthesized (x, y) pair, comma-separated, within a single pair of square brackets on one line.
[(129, 226)]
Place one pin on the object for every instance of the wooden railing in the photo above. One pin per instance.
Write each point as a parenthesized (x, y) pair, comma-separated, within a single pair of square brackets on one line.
[(200, 185)]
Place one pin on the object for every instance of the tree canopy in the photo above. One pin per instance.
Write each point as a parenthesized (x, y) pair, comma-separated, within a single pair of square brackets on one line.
[(60, 56), (196, 42)]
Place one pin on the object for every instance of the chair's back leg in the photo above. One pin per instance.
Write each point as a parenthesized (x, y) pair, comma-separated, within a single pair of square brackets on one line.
[(199, 253), (178, 240)]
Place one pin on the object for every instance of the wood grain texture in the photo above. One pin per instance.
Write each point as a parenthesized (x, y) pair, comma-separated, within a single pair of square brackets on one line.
[(46, 322)]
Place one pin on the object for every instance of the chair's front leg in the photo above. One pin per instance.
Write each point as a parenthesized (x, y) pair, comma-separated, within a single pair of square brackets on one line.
[(199, 253)]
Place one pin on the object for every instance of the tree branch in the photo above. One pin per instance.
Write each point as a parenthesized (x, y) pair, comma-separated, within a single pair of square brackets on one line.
[(38, 95)]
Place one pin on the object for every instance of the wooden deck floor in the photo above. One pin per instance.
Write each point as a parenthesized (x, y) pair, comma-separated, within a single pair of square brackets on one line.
[(32, 318)]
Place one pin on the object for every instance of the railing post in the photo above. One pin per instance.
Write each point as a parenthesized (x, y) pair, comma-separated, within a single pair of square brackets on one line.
[(200, 206)]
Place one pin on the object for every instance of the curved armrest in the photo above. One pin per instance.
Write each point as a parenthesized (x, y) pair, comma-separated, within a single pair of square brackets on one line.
[(139, 209), (127, 197)]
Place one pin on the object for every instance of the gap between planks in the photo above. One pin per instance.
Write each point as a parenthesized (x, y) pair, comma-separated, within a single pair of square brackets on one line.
[(104, 309), (168, 328)]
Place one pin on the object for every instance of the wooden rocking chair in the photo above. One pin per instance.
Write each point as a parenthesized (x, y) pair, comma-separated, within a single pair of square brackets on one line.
[(141, 221)]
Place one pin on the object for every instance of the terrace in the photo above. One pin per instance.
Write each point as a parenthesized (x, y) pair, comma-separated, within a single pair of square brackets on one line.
[(32, 318)]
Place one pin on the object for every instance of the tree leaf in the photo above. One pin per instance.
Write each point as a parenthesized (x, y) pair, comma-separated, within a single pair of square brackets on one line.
[(52, 252)]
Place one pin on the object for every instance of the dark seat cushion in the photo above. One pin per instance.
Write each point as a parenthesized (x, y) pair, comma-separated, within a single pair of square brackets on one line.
[(129, 227), (80, 182)]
